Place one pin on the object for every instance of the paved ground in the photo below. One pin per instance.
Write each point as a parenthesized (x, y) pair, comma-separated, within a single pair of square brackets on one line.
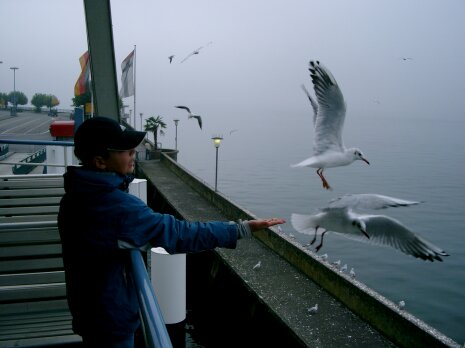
[(25, 126)]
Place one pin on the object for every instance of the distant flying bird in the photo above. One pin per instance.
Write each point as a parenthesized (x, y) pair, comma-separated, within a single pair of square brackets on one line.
[(171, 58), (339, 217), (328, 120), (191, 115), (232, 131), (406, 58), (257, 266), (196, 51)]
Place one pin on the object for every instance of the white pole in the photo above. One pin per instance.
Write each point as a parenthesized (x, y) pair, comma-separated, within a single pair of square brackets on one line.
[(135, 87)]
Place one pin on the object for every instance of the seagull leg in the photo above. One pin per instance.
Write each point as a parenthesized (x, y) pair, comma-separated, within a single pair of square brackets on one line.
[(314, 237), (321, 243), (323, 179)]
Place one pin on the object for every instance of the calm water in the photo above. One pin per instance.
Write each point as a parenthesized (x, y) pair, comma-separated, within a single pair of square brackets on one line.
[(411, 158)]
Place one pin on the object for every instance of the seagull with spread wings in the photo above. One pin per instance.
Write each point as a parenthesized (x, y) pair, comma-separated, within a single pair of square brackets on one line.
[(340, 217), (171, 58), (191, 115), (329, 114), (197, 51)]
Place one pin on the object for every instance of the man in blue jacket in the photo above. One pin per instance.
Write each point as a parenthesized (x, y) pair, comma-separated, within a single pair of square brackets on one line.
[(99, 219)]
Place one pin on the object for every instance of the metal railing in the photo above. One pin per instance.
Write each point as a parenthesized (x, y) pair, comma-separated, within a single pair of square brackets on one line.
[(155, 332), (38, 142)]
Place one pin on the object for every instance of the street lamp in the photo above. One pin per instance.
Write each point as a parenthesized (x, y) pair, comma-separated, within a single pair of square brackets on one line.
[(216, 143), (13, 112), (141, 128), (176, 136)]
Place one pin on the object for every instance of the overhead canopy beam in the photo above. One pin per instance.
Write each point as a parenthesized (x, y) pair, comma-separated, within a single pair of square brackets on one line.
[(102, 58)]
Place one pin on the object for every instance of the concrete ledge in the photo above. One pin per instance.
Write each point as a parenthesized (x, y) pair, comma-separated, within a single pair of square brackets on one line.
[(399, 326)]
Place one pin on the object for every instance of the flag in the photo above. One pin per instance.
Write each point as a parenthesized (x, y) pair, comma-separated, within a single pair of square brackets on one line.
[(127, 76), (82, 82)]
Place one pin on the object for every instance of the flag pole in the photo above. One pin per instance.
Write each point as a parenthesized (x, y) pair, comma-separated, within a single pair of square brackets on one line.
[(135, 88)]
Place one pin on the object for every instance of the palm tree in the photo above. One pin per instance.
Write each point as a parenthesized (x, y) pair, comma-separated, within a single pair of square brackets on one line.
[(153, 124)]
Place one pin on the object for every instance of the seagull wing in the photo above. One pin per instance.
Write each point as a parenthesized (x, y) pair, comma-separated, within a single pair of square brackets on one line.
[(386, 231), (304, 223), (192, 53), (183, 107), (369, 201), (199, 119), (331, 110), (312, 101)]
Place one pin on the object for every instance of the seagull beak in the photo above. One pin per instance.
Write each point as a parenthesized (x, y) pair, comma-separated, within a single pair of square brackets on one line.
[(366, 161)]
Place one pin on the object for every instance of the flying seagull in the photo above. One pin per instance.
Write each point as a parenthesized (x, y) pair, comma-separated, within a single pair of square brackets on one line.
[(339, 217), (191, 115), (171, 58), (196, 51), (328, 120)]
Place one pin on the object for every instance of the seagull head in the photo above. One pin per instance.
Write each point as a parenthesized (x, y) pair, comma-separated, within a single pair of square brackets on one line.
[(360, 226), (358, 155)]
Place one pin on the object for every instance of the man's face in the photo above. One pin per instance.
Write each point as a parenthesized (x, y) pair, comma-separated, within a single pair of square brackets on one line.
[(122, 162)]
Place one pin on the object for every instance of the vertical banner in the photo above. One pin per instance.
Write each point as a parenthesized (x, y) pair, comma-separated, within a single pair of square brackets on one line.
[(82, 82), (127, 76)]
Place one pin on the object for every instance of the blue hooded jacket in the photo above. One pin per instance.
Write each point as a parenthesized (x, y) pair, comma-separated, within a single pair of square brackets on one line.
[(97, 220)]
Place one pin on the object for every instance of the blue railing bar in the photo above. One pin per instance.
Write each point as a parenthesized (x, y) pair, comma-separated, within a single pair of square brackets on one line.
[(22, 225), (37, 142), (35, 164), (156, 333)]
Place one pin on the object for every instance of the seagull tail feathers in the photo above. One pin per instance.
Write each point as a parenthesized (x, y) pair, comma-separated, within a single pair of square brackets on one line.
[(305, 163), (303, 223)]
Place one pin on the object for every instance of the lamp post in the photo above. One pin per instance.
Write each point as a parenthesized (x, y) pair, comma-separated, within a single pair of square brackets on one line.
[(216, 143), (176, 136), (141, 128), (13, 112)]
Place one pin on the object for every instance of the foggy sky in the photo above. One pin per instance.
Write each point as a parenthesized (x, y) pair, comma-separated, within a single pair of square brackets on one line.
[(258, 57)]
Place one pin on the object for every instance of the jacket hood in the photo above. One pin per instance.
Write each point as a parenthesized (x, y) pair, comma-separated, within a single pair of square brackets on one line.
[(80, 180)]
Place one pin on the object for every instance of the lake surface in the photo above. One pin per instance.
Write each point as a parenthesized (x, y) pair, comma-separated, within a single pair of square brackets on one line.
[(412, 158)]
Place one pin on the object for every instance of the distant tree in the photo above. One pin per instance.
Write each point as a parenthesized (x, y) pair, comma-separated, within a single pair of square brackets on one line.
[(38, 100), (155, 124), (41, 99), (51, 101), (86, 98), (21, 98), (83, 99)]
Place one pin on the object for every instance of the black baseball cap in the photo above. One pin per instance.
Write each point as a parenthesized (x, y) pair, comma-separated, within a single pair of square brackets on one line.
[(97, 135)]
